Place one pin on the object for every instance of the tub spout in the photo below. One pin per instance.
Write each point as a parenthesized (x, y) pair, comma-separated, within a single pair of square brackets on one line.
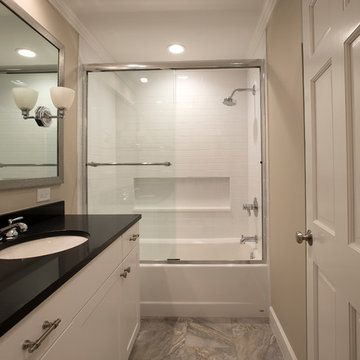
[(245, 239)]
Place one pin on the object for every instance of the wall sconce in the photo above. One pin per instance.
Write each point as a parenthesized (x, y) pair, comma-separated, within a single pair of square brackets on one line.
[(25, 99)]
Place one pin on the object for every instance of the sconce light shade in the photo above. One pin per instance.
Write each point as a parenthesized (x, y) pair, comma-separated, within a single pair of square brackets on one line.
[(62, 97), (25, 98)]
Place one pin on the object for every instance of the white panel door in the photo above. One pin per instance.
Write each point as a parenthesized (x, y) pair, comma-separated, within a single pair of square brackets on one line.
[(331, 36)]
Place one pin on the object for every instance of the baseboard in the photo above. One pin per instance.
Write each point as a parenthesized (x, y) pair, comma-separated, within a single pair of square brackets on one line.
[(133, 337), (203, 309), (281, 337)]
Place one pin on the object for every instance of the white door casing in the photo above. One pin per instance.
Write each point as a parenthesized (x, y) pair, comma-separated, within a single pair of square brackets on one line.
[(331, 36)]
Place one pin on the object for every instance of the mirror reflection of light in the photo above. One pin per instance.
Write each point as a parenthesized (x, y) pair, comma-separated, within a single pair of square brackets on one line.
[(18, 83), (144, 80), (26, 52), (183, 77)]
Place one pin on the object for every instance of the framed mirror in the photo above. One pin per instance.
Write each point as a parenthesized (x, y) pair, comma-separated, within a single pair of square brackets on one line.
[(30, 57)]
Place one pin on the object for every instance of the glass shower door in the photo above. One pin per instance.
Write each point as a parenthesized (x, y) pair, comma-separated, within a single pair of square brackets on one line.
[(130, 150), (163, 143)]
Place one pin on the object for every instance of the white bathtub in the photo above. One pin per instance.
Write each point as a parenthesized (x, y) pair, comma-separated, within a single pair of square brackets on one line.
[(223, 249), (202, 290)]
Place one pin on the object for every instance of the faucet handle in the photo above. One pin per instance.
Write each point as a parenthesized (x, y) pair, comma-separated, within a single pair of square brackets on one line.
[(21, 226), (15, 219)]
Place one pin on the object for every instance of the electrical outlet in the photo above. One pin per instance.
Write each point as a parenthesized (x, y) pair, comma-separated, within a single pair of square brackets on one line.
[(43, 194)]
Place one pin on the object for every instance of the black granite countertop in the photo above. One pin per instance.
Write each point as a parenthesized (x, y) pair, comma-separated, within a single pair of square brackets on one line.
[(25, 283)]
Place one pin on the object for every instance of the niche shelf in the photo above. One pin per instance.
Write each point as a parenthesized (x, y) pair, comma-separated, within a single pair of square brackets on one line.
[(182, 194)]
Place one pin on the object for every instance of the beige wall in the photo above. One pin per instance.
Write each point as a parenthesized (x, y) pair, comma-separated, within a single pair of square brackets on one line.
[(49, 18), (286, 171)]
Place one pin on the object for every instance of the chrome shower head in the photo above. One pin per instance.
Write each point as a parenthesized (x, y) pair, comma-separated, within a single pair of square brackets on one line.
[(229, 101)]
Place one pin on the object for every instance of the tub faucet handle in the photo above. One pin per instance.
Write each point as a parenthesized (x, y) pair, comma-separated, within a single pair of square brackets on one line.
[(254, 206), (245, 239)]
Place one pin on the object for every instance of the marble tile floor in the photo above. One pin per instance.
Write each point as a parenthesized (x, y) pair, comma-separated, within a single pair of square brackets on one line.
[(210, 339)]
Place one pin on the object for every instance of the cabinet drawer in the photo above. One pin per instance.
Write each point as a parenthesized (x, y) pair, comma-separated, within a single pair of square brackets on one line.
[(130, 239), (64, 304)]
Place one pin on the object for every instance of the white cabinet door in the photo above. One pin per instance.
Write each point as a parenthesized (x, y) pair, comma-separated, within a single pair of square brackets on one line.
[(107, 326), (130, 303), (94, 332)]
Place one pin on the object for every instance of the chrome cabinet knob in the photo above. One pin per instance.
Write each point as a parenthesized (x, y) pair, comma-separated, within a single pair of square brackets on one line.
[(134, 237), (300, 237), (126, 272)]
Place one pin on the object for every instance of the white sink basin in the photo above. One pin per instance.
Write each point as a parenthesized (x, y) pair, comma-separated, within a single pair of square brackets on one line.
[(43, 246)]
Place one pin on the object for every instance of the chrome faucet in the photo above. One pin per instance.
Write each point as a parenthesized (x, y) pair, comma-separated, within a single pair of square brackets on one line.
[(11, 231), (245, 239), (254, 206)]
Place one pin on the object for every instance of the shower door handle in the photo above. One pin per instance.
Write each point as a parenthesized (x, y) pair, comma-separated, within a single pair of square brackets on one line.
[(300, 237), (95, 164)]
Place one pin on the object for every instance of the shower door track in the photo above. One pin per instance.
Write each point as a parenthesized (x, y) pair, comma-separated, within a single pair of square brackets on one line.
[(204, 262), (185, 65)]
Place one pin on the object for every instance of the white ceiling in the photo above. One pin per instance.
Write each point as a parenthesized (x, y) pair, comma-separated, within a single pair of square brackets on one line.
[(141, 30), (106, 6)]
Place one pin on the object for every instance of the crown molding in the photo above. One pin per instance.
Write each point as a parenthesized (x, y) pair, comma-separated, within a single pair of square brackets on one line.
[(84, 33), (261, 27)]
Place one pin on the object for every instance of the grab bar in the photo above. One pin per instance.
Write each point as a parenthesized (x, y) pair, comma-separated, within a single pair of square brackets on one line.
[(94, 164), (24, 165)]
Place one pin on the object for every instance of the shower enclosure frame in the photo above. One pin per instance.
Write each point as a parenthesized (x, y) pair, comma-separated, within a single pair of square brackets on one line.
[(185, 65)]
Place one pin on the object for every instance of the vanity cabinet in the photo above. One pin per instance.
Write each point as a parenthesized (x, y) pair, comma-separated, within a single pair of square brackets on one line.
[(99, 308), (107, 325)]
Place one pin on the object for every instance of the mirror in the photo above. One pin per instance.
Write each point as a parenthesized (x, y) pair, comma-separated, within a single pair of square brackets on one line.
[(30, 155)]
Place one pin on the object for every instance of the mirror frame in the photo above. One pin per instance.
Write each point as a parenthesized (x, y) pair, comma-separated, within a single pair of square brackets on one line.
[(59, 179)]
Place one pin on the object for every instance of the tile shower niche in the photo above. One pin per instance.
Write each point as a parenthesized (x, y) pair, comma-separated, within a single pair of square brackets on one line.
[(182, 194)]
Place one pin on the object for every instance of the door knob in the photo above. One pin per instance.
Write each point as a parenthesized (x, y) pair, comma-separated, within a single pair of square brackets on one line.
[(300, 237)]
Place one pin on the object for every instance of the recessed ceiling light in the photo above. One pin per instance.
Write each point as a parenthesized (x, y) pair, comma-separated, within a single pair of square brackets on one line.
[(144, 80), (136, 66), (183, 77), (26, 52), (176, 49)]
